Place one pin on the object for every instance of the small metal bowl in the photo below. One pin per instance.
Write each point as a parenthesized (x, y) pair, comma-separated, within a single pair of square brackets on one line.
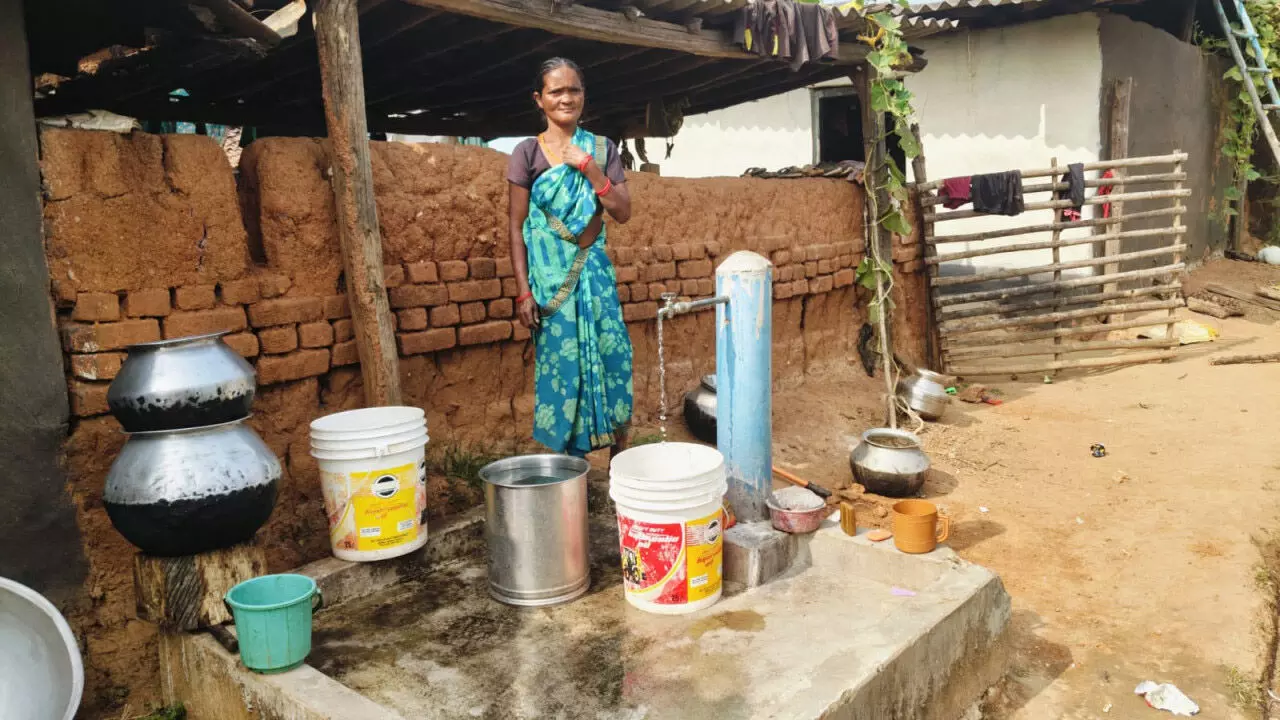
[(796, 522)]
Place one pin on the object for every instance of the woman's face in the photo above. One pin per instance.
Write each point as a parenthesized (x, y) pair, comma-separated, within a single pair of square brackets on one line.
[(562, 96)]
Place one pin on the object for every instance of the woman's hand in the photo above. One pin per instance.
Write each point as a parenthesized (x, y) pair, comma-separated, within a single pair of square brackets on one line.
[(527, 311), (574, 156)]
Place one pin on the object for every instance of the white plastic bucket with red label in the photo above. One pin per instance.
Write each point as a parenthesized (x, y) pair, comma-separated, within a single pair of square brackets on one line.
[(670, 498)]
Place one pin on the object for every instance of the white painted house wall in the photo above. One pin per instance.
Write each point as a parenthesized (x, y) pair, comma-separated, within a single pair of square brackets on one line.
[(990, 100)]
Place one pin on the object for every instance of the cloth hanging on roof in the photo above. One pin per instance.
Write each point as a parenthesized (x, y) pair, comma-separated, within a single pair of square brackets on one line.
[(955, 192), (799, 32), (997, 193), (1074, 192)]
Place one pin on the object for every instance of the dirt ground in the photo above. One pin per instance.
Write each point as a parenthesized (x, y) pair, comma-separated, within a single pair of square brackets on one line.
[(1140, 565)]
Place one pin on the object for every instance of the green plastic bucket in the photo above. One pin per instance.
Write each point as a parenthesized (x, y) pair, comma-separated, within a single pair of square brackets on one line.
[(273, 620)]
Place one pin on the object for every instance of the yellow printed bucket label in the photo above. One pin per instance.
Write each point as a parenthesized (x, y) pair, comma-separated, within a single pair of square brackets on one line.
[(672, 563), (375, 510)]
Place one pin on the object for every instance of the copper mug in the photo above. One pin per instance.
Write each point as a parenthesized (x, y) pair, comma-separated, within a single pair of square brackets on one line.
[(917, 527)]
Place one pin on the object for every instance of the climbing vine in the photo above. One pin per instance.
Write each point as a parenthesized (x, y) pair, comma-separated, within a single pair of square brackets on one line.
[(889, 96), (1241, 127)]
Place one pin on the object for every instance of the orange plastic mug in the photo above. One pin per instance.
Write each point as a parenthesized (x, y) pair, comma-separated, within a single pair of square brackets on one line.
[(917, 527)]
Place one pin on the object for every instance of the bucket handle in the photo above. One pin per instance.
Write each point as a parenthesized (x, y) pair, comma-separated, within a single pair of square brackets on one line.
[(317, 602)]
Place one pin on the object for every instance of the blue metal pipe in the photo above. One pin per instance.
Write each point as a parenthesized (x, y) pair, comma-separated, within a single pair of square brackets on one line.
[(744, 380)]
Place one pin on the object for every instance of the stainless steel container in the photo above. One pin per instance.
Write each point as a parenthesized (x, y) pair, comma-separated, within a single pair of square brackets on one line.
[(925, 393), (700, 410), (182, 492), (181, 383), (536, 529), (890, 462)]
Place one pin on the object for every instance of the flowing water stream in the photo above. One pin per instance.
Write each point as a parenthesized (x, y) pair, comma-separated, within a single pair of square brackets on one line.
[(662, 383)]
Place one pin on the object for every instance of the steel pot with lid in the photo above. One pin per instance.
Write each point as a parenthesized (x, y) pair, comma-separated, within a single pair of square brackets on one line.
[(181, 383)]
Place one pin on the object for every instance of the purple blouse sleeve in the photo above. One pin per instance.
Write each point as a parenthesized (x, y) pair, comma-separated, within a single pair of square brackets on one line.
[(613, 164), (519, 167)]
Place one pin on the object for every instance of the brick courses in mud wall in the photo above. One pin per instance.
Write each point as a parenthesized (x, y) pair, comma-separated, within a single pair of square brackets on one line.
[(151, 237)]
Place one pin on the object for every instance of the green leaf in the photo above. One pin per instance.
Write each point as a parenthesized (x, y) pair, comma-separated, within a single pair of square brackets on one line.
[(879, 98), (907, 142), (1233, 74), (1251, 174), (1231, 193), (893, 221)]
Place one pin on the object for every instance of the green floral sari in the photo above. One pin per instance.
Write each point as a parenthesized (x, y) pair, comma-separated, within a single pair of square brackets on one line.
[(582, 376)]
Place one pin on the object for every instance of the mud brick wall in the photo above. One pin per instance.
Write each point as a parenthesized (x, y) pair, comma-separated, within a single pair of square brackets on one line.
[(152, 237)]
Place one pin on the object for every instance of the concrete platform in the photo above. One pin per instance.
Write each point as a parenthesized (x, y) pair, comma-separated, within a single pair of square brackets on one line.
[(853, 630)]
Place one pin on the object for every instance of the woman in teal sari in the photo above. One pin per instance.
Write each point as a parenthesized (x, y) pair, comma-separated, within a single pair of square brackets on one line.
[(562, 183)]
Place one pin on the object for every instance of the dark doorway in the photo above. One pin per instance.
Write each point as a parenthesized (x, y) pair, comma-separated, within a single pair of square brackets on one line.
[(838, 128)]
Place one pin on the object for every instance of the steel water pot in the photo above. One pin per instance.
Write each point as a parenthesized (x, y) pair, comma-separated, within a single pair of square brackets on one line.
[(925, 392), (182, 492), (890, 462), (700, 410), (181, 383)]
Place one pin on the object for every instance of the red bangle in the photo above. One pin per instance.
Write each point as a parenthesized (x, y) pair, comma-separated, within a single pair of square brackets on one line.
[(524, 296), (608, 188), (582, 166)]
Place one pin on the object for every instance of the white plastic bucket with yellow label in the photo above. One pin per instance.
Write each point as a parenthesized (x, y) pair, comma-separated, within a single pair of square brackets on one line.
[(373, 475), (669, 498)]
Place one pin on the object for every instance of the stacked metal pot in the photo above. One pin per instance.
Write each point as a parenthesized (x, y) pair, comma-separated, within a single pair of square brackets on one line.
[(193, 476)]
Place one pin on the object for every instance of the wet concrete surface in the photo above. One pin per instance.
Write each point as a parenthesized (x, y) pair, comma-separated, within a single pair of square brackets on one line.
[(818, 640)]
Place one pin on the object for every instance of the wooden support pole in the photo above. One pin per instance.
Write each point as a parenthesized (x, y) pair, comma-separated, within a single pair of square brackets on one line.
[(342, 83), (1057, 258), (1177, 256), (1118, 149), (1098, 362), (933, 349), (880, 241)]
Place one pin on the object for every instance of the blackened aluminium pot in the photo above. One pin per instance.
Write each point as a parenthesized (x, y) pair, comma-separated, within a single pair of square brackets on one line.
[(182, 492), (181, 383), (700, 410)]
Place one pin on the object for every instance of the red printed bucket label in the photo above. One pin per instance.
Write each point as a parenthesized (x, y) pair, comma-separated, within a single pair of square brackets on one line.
[(672, 563)]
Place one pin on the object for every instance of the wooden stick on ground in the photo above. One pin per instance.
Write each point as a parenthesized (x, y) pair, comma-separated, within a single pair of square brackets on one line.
[(1267, 292), (1245, 359), (1212, 309), (1242, 296)]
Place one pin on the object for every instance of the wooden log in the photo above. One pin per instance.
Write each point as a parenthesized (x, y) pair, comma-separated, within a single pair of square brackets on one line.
[(1063, 204), (185, 593), (1099, 165), (1044, 227), (880, 240), (1118, 143), (1205, 307), (1053, 244), (1269, 293), (1008, 351), (1056, 244), (1041, 269), (952, 328), (238, 21), (934, 200), (933, 344), (1242, 296), (1039, 288), (1112, 361), (996, 308), (342, 82), (993, 340), (588, 23), (1245, 359)]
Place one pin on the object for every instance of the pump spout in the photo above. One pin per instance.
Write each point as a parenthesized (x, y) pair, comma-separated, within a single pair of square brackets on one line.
[(671, 308)]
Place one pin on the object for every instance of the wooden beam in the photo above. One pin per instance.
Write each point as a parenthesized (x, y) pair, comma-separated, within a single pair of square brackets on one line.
[(607, 26), (879, 240), (1118, 142), (237, 20), (185, 593), (342, 83)]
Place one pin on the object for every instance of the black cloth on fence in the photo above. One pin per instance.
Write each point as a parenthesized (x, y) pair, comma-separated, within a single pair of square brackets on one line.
[(1074, 192), (998, 193)]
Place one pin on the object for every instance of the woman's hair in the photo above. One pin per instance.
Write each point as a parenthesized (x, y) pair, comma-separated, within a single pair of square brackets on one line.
[(555, 63)]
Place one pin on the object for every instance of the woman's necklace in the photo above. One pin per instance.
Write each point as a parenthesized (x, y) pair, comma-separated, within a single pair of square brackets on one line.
[(553, 155)]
